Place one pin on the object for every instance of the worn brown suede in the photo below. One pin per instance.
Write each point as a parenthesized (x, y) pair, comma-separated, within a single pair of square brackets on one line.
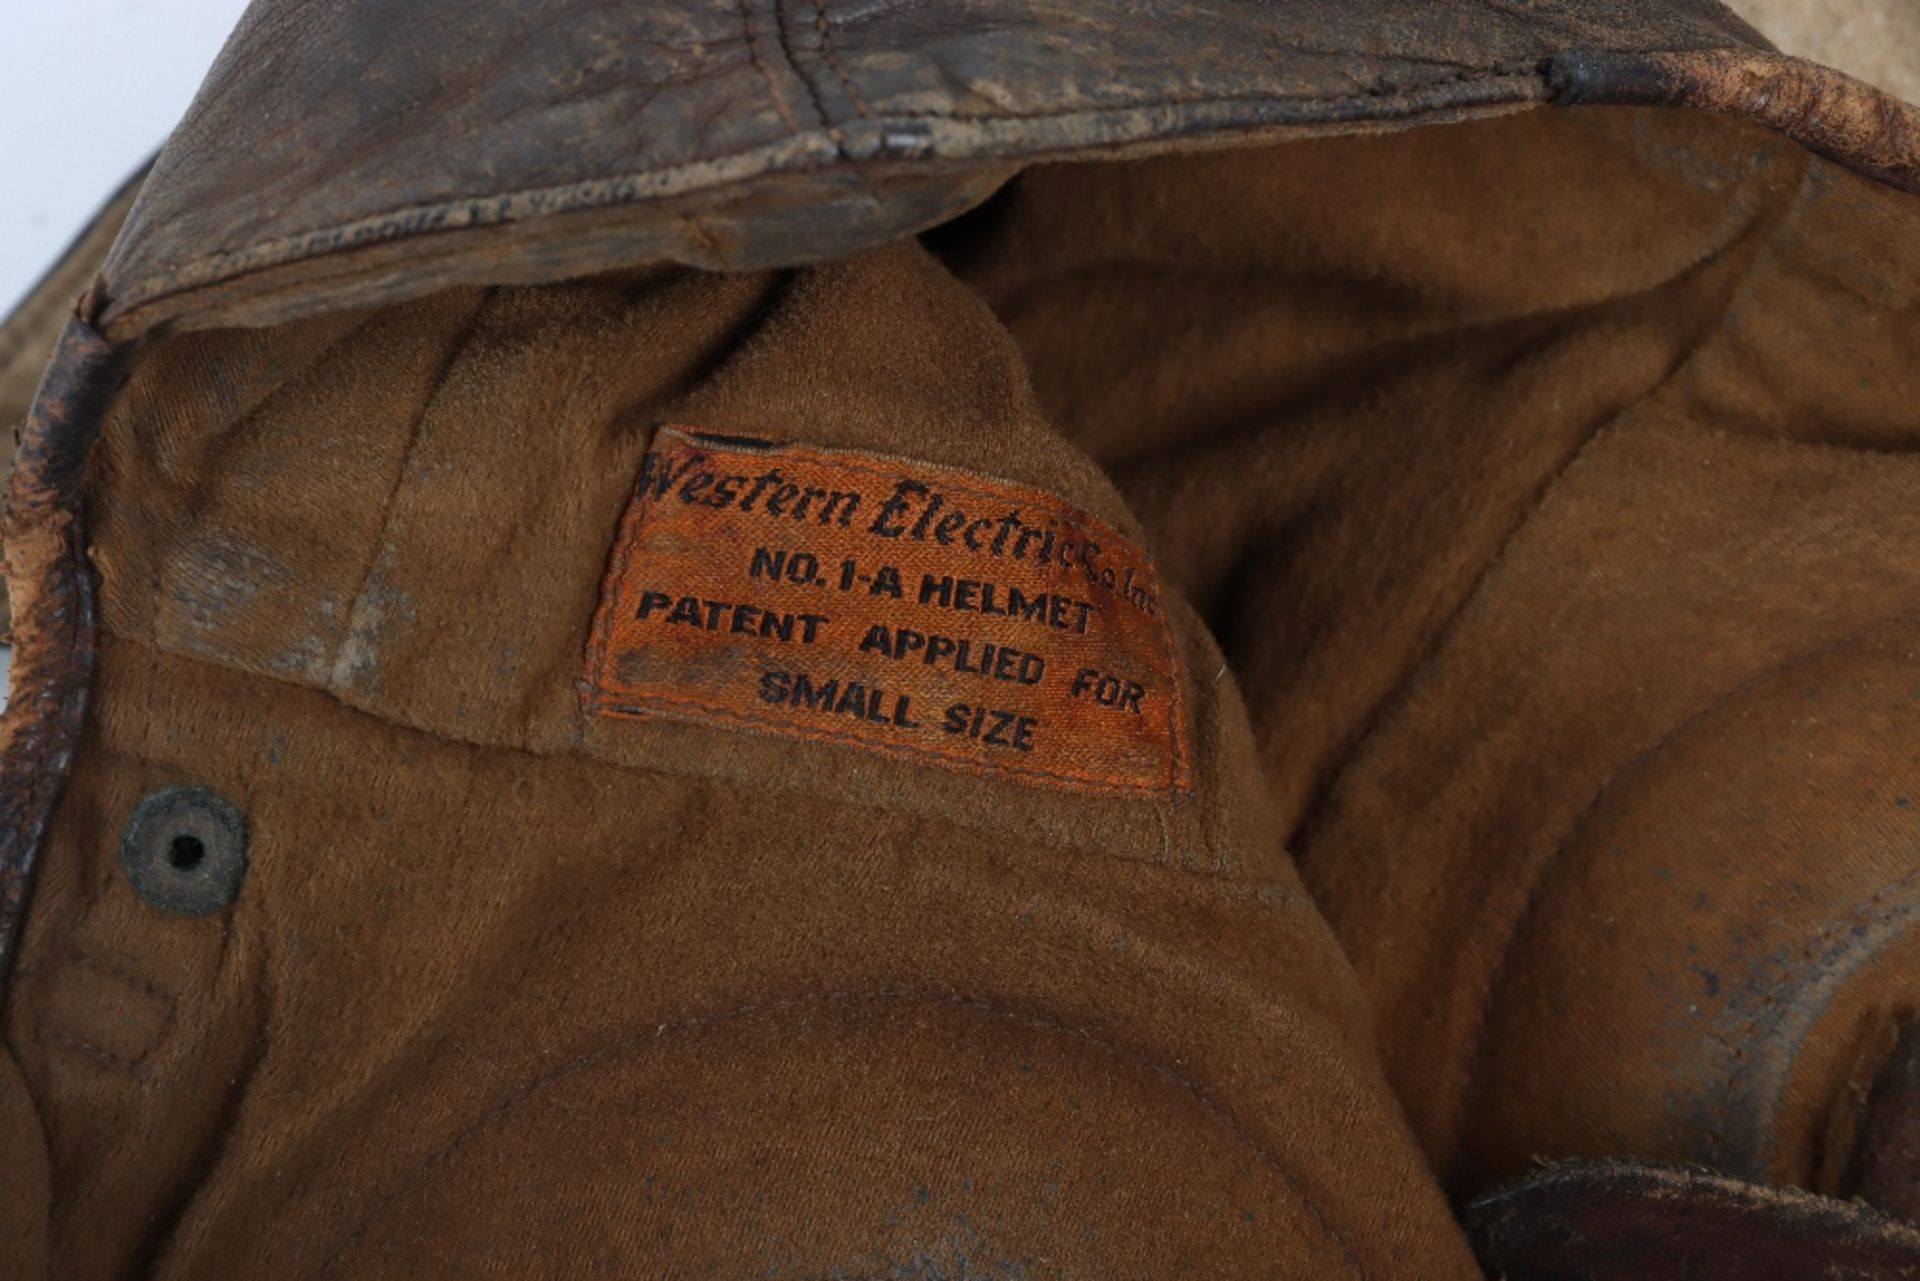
[(1510, 518)]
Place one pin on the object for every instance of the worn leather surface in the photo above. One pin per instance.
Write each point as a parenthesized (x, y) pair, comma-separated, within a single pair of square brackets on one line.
[(50, 582), (1614, 1221), (1884, 1164), (367, 150), (1829, 113)]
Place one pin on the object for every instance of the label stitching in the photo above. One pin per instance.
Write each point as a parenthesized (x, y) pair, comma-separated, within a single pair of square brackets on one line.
[(613, 588)]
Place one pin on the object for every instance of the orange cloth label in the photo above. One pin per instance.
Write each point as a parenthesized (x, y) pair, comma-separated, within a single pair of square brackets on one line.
[(896, 606)]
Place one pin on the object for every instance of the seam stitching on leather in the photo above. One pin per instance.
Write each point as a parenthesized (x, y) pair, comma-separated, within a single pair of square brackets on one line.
[(832, 60), (766, 73)]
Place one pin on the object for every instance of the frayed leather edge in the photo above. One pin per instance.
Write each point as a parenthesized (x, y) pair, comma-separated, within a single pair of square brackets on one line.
[(52, 589), (1828, 112), (1884, 1167), (1602, 1220), (813, 195), (934, 165)]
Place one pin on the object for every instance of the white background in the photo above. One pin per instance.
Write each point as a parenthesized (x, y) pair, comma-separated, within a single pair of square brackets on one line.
[(88, 90)]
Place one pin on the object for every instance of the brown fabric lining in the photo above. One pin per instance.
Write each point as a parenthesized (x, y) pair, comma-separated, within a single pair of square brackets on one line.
[(1449, 477), (884, 1012), (221, 556), (1477, 519)]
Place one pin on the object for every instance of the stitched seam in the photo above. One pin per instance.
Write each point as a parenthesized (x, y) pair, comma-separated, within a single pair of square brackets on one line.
[(114, 971), (773, 92), (87, 1049), (833, 130), (401, 476), (230, 432), (650, 705), (1208, 1106), (833, 62), (56, 1036), (785, 43)]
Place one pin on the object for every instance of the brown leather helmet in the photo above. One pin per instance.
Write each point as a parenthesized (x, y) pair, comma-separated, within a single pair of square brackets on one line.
[(700, 641)]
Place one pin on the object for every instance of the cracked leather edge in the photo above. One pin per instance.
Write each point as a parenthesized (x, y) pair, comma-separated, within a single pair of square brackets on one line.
[(1828, 112), (1621, 1221), (53, 594), (938, 160)]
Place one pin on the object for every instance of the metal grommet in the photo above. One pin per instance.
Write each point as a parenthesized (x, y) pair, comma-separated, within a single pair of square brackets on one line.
[(185, 850)]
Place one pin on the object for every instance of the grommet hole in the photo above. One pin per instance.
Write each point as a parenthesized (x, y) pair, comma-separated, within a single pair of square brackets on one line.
[(186, 852)]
